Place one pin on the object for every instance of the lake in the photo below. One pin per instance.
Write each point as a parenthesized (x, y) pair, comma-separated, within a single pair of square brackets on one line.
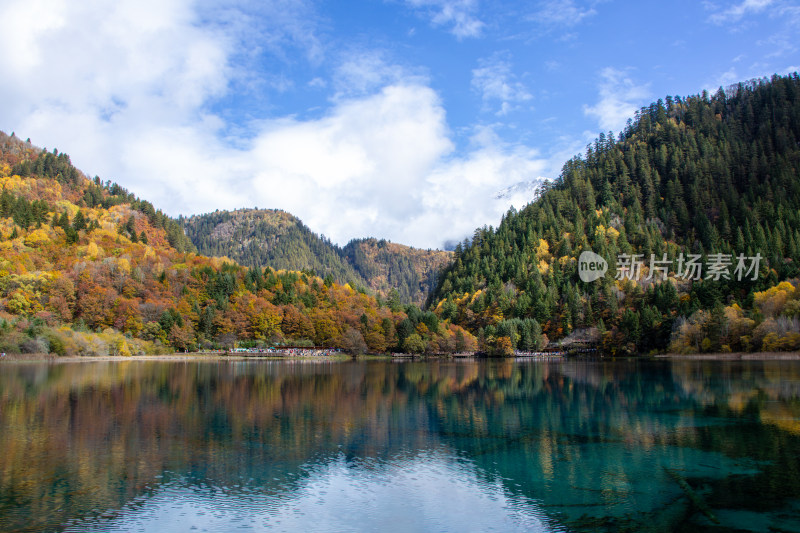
[(400, 446)]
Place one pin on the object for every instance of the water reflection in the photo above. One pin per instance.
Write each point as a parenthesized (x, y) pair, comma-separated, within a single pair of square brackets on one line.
[(399, 446), (428, 492)]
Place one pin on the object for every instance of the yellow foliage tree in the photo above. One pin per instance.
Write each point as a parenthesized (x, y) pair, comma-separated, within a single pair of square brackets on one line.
[(772, 301), (36, 238), (93, 251), (543, 251)]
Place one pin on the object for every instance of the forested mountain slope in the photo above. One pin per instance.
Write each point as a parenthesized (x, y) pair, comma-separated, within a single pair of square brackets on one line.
[(387, 266), (702, 175), (266, 237), (88, 268)]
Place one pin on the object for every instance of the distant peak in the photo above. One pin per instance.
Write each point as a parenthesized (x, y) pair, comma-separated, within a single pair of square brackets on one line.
[(520, 189)]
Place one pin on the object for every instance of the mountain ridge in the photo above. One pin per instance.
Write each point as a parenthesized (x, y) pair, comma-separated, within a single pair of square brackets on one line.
[(273, 237), (698, 179), (87, 268), (703, 176)]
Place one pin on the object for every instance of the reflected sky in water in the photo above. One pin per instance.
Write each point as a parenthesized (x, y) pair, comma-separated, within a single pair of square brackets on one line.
[(411, 446), (431, 491)]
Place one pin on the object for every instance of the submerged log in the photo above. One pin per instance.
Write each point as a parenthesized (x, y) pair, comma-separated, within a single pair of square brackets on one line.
[(695, 498)]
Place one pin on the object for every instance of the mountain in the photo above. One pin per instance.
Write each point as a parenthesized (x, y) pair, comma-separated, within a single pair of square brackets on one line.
[(707, 181), (51, 177), (387, 266), (681, 233), (522, 191), (87, 268), (266, 237)]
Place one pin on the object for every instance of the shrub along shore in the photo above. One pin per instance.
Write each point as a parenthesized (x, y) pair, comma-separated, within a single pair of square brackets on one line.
[(218, 356)]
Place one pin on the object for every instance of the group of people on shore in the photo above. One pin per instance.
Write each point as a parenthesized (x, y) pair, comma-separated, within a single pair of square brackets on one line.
[(286, 352)]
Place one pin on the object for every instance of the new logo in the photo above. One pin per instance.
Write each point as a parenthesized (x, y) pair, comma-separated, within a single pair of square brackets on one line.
[(591, 266)]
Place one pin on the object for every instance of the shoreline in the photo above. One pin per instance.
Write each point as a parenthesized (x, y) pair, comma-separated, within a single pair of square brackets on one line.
[(735, 356), (203, 356), (194, 356)]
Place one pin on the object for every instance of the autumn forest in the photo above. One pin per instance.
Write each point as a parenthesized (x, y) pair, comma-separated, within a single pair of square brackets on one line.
[(87, 268)]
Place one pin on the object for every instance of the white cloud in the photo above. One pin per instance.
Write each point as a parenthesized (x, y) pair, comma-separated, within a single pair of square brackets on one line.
[(384, 165), (127, 89), (99, 78), (620, 98), (460, 193), (736, 12), (780, 43), (459, 15), (754, 71), (495, 81), (318, 83), (722, 80), (278, 28), (365, 71), (372, 150), (109, 55), (555, 14)]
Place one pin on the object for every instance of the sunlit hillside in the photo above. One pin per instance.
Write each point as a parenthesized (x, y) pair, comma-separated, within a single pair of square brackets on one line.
[(88, 268)]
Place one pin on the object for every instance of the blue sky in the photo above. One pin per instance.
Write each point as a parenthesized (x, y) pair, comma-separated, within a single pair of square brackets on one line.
[(400, 119)]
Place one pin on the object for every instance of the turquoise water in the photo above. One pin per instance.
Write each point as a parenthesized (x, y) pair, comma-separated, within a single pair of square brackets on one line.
[(400, 446)]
